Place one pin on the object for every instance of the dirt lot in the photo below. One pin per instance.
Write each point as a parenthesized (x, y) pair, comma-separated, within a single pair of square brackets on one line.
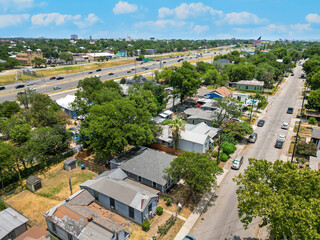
[(55, 189)]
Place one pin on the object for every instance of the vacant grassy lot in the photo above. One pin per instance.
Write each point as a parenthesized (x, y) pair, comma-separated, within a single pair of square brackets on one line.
[(55, 189)]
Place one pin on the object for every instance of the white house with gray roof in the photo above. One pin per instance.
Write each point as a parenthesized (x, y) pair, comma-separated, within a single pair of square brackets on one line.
[(146, 165), (131, 199), (195, 138), (12, 224)]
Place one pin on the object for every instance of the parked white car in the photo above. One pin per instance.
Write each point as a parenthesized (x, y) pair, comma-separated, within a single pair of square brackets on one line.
[(281, 137), (285, 125)]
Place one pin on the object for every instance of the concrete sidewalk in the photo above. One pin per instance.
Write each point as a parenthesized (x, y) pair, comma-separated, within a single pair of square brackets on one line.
[(187, 226)]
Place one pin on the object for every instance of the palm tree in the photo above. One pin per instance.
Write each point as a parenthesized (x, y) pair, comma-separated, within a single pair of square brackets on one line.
[(175, 125)]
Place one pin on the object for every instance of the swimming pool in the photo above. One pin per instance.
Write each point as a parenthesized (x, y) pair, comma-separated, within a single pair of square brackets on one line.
[(251, 101)]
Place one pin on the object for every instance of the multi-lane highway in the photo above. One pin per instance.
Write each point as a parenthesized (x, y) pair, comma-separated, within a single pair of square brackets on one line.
[(69, 81)]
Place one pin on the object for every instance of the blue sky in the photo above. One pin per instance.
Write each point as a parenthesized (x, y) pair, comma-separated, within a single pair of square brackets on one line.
[(162, 19)]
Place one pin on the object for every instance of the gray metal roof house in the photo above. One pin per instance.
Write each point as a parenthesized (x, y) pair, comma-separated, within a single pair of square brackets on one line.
[(196, 115), (12, 224), (80, 217), (131, 199), (146, 165)]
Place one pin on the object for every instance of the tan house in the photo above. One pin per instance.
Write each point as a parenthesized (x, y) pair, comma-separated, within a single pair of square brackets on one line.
[(26, 58)]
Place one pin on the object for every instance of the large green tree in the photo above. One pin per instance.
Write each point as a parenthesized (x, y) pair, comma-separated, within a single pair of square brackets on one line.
[(111, 126), (8, 108), (287, 200), (185, 80), (227, 108), (314, 100), (20, 133), (197, 170)]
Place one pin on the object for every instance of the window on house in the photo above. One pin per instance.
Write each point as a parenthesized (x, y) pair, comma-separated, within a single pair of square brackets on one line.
[(131, 212), (150, 208), (154, 184), (139, 179), (96, 195), (112, 205), (12, 235), (53, 226), (247, 87), (69, 236)]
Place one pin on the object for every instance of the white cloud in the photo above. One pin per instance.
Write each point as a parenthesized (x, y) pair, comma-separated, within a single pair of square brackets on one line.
[(160, 24), (16, 4), (241, 18), (124, 7), (88, 21), (200, 28), (12, 19), (300, 27), (313, 18), (44, 19), (184, 11)]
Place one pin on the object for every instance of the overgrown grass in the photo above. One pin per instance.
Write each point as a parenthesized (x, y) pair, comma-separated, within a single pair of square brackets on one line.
[(6, 79), (51, 191)]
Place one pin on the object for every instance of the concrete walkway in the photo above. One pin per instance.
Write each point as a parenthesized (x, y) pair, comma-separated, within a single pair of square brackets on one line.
[(187, 226)]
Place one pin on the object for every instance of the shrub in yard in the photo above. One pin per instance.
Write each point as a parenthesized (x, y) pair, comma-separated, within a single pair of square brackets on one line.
[(123, 81), (145, 225), (2, 206), (223, 157), (307, 149), (228, 148), (169, 202), (159, 210), (312, 121)]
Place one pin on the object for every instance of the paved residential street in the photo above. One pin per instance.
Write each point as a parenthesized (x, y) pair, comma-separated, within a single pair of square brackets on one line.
[(220, 219)]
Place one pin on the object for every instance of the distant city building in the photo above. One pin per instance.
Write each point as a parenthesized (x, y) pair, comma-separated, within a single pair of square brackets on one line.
[(26, 58), (93, 56), (122, 53), (74, 36), (151, 51)]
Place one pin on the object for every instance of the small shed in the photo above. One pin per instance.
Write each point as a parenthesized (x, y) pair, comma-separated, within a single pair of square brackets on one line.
[(34, 183), (70, 164)]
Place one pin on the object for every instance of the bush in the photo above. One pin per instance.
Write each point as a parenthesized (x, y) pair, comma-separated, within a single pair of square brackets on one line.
[(2, 206), (223, 157), (228, 148), (123, 81), (169, 202), (312, 121), (159, 210), (145, 225), (307, 149)]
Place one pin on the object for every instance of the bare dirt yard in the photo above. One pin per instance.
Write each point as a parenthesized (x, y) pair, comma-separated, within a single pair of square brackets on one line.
[(55, 189)]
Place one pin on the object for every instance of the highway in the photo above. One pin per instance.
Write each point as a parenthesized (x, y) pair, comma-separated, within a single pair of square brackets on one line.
[(70, 81)]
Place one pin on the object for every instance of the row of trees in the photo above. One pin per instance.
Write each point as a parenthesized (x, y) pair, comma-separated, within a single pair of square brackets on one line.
[(32, 136)]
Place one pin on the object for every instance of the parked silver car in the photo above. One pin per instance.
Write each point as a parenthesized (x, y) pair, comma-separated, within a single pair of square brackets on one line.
[(237, 162)]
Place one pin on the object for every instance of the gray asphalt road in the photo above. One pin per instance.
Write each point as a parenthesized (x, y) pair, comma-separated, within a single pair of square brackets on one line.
[(45, 85), (220, 221)]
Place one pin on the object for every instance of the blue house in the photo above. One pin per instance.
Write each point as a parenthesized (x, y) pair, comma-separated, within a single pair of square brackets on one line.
[(128, 198), (66, 104), (220, 92)]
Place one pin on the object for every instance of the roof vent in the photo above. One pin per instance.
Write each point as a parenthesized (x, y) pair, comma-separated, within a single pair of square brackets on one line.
[(90, 218)]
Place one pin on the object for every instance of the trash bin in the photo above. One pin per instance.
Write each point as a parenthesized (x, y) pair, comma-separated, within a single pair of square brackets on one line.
[(82, 166)]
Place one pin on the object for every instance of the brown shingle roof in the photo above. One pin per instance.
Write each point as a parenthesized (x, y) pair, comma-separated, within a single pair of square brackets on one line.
[(223, 91), (33, 233)]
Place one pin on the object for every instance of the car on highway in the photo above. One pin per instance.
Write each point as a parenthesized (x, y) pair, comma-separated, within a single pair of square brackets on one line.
[(292, 74), (237, 162), (98, 70), (90, 72), (253, 137), (261, 123), (290, 110), (32, 89), (29, 83), (60, 78), (52, 78), (56, 87), (164, 62), (98, 76), (111, 74), (19, 86), (132, 69), (2, 88), (141, 63), (285, 125), (129, 71), (20, 93), (189, 237)]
